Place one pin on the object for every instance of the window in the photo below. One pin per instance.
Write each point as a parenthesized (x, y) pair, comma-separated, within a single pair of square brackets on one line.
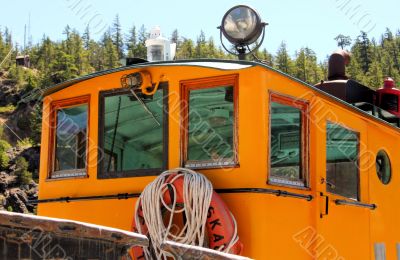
[(132, 139), (342, 152), (383, 168), (209, 122), (288, 141), (69, 137)]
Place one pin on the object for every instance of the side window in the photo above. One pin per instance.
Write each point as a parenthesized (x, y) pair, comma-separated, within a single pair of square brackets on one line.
[(209, 123), (288, 141), (132, 141), (69, 137), (342, 153)]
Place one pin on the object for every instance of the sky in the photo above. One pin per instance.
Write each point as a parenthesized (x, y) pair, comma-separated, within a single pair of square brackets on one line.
[(307, 23)]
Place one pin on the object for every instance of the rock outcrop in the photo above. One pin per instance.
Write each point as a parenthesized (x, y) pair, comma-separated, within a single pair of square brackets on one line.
[(15, 196)]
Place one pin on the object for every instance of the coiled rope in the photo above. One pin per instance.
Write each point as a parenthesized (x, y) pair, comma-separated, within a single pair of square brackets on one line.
[(197, 194)]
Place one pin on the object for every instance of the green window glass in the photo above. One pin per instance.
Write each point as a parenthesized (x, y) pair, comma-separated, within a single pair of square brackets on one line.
[(132, 139), (342, 151), (70, 141), (286, 145), (211, 127)]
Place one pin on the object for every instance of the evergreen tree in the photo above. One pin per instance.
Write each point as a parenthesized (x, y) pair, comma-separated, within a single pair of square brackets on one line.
[(375, 75), (86, 38), (186, 51), (45, 55), (79, 54), (211, 49), (301, 65), (201, 46), (2, 46), (175, 38), (283, 62), (132, 42), (363, 50), (267, 57), (354, 70), (110, 52), (141, 51), (8, 38), (63, 67), (6, 48), (117, 37)]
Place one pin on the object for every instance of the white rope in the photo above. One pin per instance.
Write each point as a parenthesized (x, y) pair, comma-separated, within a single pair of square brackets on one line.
[(197, 194)]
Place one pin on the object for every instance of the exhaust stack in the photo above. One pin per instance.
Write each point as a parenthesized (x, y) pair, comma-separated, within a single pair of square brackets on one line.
[(337, 65), (339, 84)]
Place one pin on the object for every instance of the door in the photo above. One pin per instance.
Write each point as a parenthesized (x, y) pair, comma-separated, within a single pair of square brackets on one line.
[(343, 221)]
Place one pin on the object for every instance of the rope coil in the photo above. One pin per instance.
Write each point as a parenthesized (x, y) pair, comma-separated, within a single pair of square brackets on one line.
[(197, 195)]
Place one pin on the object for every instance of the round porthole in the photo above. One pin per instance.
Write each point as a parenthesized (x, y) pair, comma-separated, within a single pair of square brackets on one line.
[(383, 168)]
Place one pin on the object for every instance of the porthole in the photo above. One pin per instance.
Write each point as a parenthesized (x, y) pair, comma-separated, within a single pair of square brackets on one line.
[(383, 168)]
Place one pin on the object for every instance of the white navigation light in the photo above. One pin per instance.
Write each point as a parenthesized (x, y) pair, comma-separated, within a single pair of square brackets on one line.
[(242, 25), (159, 48)]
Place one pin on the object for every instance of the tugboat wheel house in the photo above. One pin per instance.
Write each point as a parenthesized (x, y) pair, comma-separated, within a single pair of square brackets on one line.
[(292, 162)]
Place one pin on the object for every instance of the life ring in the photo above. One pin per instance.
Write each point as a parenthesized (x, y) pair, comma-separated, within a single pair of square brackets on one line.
[(220, 224)]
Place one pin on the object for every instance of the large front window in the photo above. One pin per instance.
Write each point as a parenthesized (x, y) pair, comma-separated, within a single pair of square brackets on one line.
[(131, 134), (210, 123)]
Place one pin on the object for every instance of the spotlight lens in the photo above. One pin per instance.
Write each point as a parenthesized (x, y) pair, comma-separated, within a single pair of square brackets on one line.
[(241, 24), (135, 80)]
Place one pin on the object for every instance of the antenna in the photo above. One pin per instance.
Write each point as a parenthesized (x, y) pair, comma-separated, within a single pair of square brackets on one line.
[(25, 38), (29, 31)]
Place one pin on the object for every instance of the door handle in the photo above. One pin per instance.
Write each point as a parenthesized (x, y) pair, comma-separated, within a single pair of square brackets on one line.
[(330, 184), (326, 202)]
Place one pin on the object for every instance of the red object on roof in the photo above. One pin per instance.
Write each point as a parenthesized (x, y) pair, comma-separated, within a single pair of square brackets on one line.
[(388, 97), (389, 83)]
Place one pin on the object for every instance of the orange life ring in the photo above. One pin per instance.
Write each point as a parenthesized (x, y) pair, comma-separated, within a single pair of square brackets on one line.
[(220, 224)]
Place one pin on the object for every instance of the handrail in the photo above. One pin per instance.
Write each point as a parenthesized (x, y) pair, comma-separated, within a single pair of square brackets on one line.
[(355, 204), (279, 193), (119, 196), (378, 112)]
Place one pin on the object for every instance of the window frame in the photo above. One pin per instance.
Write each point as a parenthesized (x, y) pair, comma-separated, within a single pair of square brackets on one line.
[(204, 83), (164, 86), (303, 106), (358, 134), (55, 106)]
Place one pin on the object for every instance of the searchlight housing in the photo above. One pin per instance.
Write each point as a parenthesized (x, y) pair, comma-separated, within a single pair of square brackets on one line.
[(242, 26)]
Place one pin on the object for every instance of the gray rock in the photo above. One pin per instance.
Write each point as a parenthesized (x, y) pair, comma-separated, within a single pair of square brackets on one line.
[(17, 199)]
